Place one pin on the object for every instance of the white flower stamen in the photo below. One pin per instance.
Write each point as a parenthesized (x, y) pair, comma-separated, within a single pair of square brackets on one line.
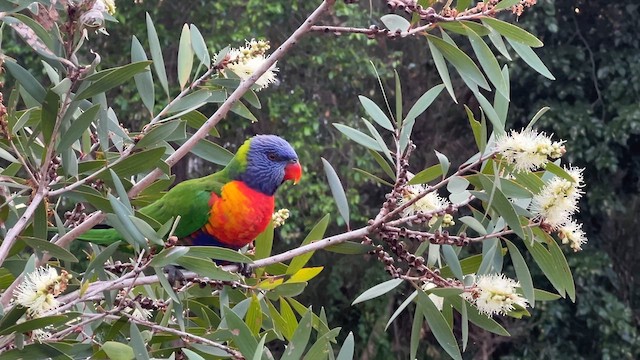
[(571, 233), (528, 150), (247, 59), (558, 199), (39, 290), (495, 294), (429, 203)]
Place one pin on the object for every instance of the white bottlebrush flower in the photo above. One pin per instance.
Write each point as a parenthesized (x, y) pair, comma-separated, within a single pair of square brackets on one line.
[(39, 289), (558, 199), (528, 150), (431, 202), (571, 233), (247, 59), (109, 6), (495, 294), (279, 217), (40, 335), (438, 301)]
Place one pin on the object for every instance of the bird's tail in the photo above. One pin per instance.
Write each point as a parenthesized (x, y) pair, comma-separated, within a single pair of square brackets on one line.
[(104, 236)]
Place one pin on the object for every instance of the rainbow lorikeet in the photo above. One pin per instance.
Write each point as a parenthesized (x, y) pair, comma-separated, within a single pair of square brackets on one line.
[(228, 208)]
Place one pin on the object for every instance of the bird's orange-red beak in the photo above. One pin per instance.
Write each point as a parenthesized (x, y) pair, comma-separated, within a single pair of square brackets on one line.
[(293, 171)]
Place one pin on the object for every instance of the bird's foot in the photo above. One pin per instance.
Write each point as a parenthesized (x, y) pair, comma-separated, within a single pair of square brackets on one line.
[(245, 269), (174, 274)]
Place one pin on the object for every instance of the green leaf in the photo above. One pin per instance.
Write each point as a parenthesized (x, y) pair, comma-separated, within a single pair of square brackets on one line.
[(158, 133), (112, 78), (242, 110), (137, 343), (314, 235), (300, 339), (488, 62), (474, 224), (79, 126), (479, 130), (243, 338), (542, 295), (376, 135), (558, 171), (384, 165), (378, 290), (496, 40), (49, 114), (139, 162), (156, 54), (51, 248), (192, 355), (451, 258), (200, 46), (537, 116), (398, 96), (26, 80), (118, 351), (395, 23), (143, 80), (206, 268), (463, 63), (444, 162), (547, 264), (191, 102), (439, 326), (375, 113), (530, 57), (373, 177), (443, 71), (565, 271), (348, 348), (210, 151), (168, 256), (512, 32), (322, 347), (522, 272), (350, 248), (254, 316), (505, 4), (502, 205), (401, 308), (218, 253), (196, 120), (424, 102), (38, 323), (480, 319), (185, 56), (337, 190), (102, 257)]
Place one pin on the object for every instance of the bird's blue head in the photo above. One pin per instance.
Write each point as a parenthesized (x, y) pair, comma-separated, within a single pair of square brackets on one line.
[(268, 161)]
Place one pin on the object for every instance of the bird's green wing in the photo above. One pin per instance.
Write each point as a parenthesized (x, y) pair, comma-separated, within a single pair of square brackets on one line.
[(190, 201)]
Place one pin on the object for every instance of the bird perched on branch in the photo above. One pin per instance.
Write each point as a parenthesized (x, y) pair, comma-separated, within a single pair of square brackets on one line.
[(228, 208)]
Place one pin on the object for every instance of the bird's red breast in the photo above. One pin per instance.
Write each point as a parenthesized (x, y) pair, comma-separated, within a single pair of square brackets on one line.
[(239, 214)]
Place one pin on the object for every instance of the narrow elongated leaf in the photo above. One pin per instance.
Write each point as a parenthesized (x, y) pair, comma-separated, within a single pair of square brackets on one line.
[(26, 80), (522, 272), (190, 102), (51, 248), (395, 22), (37, 323), (156, 54), (347, 349), (373, 177), (443, 71), (401, 308), (118, 351), (158, 133), (358, 136), (242, 110), (384, 165), (542, 295), (480, 319), (375, 112), (139, 162), (137, 343), (243, 337), (168, 256), (300, 339), (200, 46), (143, 80), (376, 135), (205, 267), (463, 63), (350, 248), (79, 126), (547, 264), (474, 224), (113, 78), (565, 272), (444, 162), (424, 101), (337, 190), (439, 326), (537, 116), (49, 115), (314, 235), (185, 56), (530, 57), (498, 42), (451, 258), (505, 4), (211, 152), (398, 96), (426, 175), (218, 253), (558, 171), (378, 290), (503, 206), (512, 32), (488, 62)]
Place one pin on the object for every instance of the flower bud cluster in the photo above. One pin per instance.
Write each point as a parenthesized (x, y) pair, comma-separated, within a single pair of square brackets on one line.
[(279, 217)]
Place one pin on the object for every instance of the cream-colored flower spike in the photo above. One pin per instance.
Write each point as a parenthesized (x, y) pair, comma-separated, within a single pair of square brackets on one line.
[(571, 233), (247, 59), (39, 289), (428, 203), (528, 150), (495, 294), (558, 199)]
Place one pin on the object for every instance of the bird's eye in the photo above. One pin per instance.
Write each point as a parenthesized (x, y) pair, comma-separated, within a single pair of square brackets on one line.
[(272, 156)]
